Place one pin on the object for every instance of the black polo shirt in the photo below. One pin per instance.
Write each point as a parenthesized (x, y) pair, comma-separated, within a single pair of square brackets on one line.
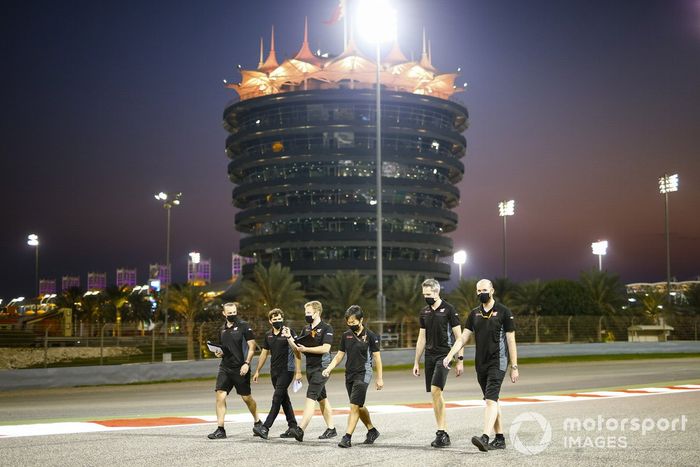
[(438, 326), (321, 334), (359, 349), (234, 341), (281, 355), (490, 330)]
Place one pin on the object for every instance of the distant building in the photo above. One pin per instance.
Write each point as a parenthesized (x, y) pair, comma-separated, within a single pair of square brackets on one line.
[(69, 282), (47, 286), (199, 271), (159, 272), (96, 280), (302, 150), (678, 289), (126, 277), (237, 262)]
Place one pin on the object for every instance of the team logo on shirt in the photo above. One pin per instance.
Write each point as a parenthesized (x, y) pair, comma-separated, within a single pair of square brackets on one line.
[(495, 313), (313, 333)]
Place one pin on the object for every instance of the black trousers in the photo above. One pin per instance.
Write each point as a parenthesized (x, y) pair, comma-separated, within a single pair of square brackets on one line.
[(280, 398)]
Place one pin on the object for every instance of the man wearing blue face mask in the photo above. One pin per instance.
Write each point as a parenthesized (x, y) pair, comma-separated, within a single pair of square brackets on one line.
[(493, 327), (285, 365), (237, 349)]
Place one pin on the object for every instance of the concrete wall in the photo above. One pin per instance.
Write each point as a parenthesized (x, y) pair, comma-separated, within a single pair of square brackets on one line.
[(148, 372)]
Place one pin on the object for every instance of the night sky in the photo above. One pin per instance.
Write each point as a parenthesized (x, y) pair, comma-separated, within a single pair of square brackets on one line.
[(576, 108)]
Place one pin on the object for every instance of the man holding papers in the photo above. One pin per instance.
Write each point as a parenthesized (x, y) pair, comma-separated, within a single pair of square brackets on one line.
[(315, 341), (237, 348), (362, 348), (285, 365)]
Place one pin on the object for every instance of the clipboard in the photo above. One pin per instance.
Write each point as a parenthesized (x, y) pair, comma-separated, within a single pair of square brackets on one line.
[(306, 340), (214, 347)]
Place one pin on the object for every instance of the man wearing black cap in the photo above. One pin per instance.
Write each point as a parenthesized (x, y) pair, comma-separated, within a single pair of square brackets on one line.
[(237, 348), (494, 332)]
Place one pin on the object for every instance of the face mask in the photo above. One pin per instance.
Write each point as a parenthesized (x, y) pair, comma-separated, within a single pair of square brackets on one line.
[(430, 301), (232, 318), (484, 297), (277, 324), (309, 318), (354, 327)]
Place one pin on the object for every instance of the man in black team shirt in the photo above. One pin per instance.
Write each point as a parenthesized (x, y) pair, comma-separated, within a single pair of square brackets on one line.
[(285, 365), (315, 341), (439, 328), (362, 348), (494, 332), (238, 346)]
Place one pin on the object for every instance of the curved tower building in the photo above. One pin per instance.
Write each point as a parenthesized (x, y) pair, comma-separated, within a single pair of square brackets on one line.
[(302, 149)]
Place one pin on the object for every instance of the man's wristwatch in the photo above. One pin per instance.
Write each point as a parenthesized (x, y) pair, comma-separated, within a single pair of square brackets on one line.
[(514, 367), (246, 363), (460, 358)]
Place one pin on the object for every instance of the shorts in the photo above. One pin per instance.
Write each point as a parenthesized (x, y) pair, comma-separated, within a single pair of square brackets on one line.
[(230, 377), (317, 384), (490, 381), (357, 391), (435, 372)]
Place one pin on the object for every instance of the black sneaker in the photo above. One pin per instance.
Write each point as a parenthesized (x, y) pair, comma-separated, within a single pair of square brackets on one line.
[(261, 431), (329, 433), (481, 442), (298, 433), (372, 436), (442, 440), (219, 433), (289, 433), (497, 443), (345, 442)]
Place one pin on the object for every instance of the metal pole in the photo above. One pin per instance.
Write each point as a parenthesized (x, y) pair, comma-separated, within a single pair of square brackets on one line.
[(46, 347), (170, 278), (36, 270), (668, 249), (378, 169), (600, 262), (460, 272), (505, 251)]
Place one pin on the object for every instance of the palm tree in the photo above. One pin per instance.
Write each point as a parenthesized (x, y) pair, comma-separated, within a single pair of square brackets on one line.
[(116, 299), (503, 289), (271, 287), (463, 297), (70, 300), (404, 300), (653, 304), (186, 300), (344, 289), (605, 290), (527, 298)]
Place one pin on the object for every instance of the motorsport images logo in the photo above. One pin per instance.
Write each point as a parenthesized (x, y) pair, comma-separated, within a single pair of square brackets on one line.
[(527, 442)]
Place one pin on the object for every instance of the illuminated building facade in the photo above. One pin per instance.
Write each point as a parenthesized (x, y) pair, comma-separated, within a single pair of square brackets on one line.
[(302, 149)]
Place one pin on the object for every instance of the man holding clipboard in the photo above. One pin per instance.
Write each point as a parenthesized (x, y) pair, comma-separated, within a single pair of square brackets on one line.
[(315, 341), (236, 349)]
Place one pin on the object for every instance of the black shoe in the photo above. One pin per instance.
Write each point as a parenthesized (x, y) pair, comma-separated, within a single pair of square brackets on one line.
[(497, 444), (289, 433), (481, 442), (372, 436), (329, 433), (219, 433), (442, 440), (298, 433), (345, 442), (261, 431)]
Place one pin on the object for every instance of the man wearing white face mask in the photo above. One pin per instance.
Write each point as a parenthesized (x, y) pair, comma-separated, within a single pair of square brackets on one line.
[(237, 348), (494, 332)]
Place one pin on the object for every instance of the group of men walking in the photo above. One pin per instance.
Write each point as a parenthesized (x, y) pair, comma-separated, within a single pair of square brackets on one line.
[(441, 338)]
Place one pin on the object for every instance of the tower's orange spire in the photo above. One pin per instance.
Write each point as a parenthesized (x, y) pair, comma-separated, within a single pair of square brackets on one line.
[(305, 53), (271, 62), (260, 62), (425, 58)]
